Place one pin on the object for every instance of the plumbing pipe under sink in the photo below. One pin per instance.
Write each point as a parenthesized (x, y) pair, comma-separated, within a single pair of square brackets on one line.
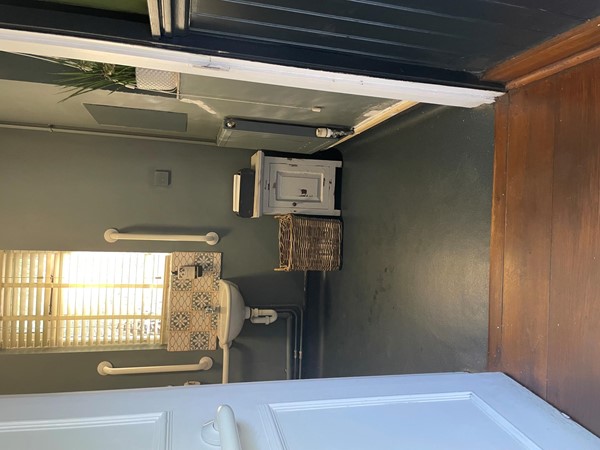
[(225, 347), (256, 316), (232, 313), (265, 316)]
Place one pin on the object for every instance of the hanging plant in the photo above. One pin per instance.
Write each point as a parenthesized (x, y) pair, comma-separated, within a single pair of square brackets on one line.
[(90, 76)]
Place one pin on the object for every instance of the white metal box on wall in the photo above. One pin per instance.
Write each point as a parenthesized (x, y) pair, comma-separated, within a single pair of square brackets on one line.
[(290, 185)]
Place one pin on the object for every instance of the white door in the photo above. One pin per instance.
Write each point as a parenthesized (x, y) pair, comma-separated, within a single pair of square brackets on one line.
[(436, 411)]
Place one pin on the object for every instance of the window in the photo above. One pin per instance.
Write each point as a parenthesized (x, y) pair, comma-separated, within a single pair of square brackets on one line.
[(81, 299)]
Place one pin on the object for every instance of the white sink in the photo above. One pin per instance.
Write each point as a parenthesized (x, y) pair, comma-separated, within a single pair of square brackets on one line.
[(232, 313)]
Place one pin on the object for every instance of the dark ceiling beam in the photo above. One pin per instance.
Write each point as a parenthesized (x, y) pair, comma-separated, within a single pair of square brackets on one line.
[(318, 59), (127, 29)]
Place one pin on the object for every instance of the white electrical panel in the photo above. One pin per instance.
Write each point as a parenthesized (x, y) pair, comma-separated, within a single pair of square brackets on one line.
[(291, 185)]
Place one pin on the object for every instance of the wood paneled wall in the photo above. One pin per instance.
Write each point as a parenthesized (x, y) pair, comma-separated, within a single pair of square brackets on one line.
[(545, 244)]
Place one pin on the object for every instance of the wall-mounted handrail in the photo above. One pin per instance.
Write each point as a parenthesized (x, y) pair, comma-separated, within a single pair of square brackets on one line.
[(106, 368), (112, 235)]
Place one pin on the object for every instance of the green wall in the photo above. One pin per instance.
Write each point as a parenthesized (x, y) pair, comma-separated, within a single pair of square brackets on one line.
[(61, 191), (412, 295)]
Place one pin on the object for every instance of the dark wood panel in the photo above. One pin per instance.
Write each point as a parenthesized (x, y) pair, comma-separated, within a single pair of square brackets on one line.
[(557, 67), (572, 42), (497, 238), (574, 326), (547, 298), (528, 237)]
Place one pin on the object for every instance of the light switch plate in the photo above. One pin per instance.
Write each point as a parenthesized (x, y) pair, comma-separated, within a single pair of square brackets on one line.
[(162, 178)]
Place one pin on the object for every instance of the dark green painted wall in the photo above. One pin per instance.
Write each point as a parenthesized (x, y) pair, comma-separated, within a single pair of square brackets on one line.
[(412, 295), (29, 68), (60, 192)]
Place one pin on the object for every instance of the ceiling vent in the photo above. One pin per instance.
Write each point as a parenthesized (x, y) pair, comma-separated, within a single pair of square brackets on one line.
[(118, 116), (258, 135)]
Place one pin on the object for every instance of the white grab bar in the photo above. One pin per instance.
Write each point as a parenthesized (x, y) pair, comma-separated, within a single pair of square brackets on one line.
[(106, 368), (112, 235)]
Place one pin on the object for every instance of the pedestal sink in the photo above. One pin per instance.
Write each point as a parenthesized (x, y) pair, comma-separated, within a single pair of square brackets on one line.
[(232, 314)]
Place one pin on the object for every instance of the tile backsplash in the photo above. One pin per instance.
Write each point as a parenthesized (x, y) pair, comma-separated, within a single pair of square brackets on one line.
[(192, 316)]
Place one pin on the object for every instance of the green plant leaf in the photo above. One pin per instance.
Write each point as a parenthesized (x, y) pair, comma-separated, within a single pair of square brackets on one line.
[(90, 75)]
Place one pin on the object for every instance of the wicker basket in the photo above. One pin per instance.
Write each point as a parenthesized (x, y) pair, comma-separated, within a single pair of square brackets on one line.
[(307, 243)]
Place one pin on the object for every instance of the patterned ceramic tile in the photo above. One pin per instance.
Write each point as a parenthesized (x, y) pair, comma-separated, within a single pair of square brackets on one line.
[(201, 301), (181, 285), (180, 321), (192, 303), (199, 340), (210, 264)]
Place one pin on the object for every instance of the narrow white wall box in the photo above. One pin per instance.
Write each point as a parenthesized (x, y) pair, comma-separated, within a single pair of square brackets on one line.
[(290, 185)]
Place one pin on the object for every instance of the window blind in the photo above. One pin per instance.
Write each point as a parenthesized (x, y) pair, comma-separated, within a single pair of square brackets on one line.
[(81, 299)]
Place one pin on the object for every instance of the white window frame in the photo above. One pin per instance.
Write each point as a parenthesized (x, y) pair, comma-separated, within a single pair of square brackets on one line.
[(47, 315)]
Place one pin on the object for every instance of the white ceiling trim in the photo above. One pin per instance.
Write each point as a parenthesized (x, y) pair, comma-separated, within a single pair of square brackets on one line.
[(378, 118), (17, 41)]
